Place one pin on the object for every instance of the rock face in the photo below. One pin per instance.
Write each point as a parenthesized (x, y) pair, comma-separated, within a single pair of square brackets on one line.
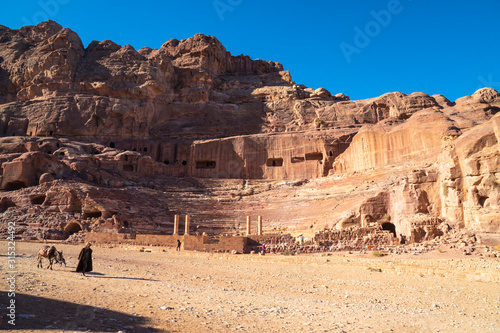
[(107, 138)]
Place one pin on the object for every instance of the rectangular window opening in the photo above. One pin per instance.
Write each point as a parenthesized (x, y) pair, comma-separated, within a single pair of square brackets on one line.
[(205, 164), (274, 162), (297, 159), (314, 156)]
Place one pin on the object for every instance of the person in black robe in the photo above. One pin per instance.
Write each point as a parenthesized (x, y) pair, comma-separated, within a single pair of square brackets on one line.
[(85, 260)]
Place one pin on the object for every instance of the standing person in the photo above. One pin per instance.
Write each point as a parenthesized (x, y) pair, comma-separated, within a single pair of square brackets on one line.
[(301, 239), (178, 248), (85, 260), (263, 249)]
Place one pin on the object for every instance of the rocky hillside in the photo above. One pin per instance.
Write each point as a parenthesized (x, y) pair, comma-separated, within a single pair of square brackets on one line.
[(109, 138)]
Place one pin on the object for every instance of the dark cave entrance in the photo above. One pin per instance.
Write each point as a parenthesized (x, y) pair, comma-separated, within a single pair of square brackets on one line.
[(274, 162), (314, 156), (205, 164), (15, 185), (6, 203), (72, 228), (38, 199), (482, 200), (89, 215), (390, 227), (128, 167)]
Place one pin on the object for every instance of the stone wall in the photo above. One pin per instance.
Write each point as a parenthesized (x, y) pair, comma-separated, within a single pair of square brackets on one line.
[(108, 238), (222, 244), (189, 242)]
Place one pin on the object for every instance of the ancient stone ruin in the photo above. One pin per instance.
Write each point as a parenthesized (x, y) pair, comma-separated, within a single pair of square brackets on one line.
[(110, 140)]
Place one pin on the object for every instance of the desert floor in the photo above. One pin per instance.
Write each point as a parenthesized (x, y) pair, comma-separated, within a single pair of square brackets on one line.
[(168, 291)]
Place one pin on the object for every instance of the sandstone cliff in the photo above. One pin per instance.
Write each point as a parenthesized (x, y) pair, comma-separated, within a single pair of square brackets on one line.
[(107, 138)]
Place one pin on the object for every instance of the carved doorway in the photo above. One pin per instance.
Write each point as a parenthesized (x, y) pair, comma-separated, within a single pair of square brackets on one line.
[(390, 227)]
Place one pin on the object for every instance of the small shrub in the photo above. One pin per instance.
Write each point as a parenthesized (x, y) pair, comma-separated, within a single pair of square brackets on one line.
[(288, 252), (377, 254), (371, 269), (445, 189), (492, 182), (47, 127)]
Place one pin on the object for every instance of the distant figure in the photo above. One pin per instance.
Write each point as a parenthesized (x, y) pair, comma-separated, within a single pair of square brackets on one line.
[(44, 237), (263, 249), (85, 260), (402, 239), (301, 239), (178, 248)]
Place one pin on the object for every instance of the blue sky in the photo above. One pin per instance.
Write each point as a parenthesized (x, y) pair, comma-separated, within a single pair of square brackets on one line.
[(360, 48)]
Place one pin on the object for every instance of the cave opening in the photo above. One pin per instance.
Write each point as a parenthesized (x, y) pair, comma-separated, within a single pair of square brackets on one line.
[(128, 167), (15, 185), (314, 156), (205, 164), (274, 162), (89, 215), (6, 203), (389, 227), (72, 228), (37, 199)]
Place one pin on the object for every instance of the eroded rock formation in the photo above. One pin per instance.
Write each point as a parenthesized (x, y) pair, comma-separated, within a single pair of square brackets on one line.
[(107, 138)]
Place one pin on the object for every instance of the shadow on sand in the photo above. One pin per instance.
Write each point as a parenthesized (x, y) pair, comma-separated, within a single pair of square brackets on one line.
[(39, 313), (98, 275)]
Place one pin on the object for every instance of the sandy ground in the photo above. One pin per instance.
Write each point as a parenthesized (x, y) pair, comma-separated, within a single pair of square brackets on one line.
[(169, 291)]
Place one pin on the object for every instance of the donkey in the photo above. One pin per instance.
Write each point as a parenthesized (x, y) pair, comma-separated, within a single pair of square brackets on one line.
[(51, 253)]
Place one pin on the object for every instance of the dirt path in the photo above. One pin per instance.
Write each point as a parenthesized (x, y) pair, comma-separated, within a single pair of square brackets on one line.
[(168, 291)]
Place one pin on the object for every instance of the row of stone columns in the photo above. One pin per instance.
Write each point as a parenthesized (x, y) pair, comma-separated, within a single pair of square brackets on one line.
[(259, 226), (188, 221), (186, 225)]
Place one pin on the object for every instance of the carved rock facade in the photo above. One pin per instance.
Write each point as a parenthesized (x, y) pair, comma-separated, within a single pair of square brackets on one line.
[(107, 138)]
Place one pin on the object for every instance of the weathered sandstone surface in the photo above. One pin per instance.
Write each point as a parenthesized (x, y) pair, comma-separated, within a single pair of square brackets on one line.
[(106, 138)]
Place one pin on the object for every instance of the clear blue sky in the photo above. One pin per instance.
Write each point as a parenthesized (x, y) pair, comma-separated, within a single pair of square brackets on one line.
[(360, 48)]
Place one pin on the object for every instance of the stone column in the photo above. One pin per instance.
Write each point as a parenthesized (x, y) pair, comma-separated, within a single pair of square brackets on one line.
[(259, 225), (176, 224), (248, 225), (188, 219)]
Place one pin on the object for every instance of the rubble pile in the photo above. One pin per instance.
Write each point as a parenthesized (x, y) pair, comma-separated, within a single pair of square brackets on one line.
[(354, 238), (376, 239), (33, 222), (78, 237)]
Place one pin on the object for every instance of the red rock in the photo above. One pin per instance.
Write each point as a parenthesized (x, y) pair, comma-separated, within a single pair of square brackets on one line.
[(118, 139)]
